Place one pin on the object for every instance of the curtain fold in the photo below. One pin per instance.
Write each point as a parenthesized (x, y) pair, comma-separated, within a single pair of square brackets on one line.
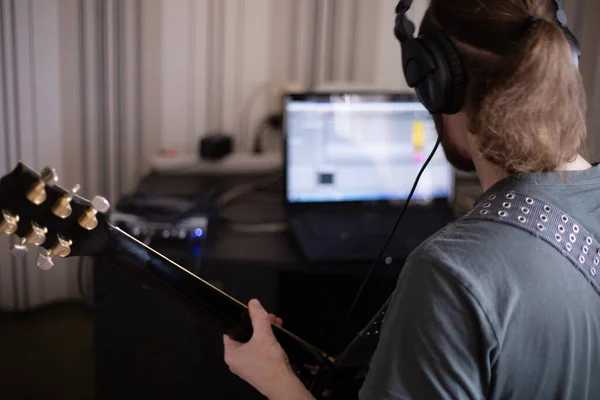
[(96, 88)]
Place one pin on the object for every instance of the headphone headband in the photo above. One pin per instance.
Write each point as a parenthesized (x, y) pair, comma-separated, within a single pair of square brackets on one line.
[(432, 65), (404, 28), (561, 17), (403, 5)]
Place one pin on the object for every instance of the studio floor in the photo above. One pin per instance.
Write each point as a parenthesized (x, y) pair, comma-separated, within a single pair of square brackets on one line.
[(47, 353)]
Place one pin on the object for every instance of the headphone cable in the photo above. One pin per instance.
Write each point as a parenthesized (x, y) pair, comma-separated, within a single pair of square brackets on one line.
[(390, 237)]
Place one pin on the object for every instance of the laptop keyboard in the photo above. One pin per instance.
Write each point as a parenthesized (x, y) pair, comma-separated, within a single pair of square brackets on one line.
[(358, 235), (344, 226)]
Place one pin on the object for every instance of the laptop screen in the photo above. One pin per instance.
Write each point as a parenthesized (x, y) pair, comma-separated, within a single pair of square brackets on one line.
[(361, 147)]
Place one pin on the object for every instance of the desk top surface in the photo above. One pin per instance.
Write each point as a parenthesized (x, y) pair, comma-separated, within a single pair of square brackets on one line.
[(228, 245)]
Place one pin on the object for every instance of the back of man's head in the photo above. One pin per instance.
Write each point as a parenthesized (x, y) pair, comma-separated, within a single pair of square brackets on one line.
[(525, 98)]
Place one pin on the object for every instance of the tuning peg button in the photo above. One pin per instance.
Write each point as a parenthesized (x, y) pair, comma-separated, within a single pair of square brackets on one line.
[(9, 223), (19, 250), (49, 176), (88, 219), (62, 207), (100, 204), (44, 262)]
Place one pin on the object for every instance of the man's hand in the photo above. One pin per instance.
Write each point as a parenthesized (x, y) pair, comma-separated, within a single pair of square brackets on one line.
[(262, 362)]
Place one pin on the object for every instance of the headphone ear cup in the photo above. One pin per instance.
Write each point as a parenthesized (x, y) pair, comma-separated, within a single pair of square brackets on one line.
[(433, 68), (455, 91), (434, 91)]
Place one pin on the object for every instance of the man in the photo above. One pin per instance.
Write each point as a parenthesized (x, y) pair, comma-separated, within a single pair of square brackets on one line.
[(483, 309)]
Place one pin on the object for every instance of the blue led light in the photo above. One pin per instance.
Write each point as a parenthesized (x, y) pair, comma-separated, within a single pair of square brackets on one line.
[(198, 232)]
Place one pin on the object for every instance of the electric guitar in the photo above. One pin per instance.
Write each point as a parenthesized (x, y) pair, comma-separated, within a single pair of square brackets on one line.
[(62, 224)]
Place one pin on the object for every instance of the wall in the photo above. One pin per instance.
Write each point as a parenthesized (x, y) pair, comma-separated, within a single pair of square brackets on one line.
[(94, 88), (584, 16), (79, 93), (221, 58)]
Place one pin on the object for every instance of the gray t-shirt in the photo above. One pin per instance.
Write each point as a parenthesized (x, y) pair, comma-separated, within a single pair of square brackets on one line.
[(484, 310)]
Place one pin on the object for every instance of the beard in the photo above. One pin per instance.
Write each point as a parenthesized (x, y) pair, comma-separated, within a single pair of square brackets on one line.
[(456, 156)]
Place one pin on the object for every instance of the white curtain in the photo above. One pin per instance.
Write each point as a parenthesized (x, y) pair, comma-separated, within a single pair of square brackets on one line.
[(77, 94), (94, 88)]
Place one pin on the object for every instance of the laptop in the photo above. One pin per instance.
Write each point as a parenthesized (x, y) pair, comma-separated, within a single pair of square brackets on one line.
[(350, 162)]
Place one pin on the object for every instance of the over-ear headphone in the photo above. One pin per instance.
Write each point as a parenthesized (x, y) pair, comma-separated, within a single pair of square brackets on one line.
[(561, 17), (432, 65)]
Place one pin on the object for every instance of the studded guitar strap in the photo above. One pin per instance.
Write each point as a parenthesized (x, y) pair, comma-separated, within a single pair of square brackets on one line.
[(532, 215), (548, 223)]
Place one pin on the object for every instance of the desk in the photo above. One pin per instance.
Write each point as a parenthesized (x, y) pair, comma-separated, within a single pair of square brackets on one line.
[(147, 347)]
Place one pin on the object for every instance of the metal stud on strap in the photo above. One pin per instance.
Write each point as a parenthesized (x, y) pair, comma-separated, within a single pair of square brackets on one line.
[(547, 222)]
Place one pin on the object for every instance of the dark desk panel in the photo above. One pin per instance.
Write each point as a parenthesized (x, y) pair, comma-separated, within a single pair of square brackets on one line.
[(148, 347)]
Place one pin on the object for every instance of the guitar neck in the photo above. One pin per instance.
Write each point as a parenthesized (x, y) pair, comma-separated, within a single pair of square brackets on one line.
[(214, 307)]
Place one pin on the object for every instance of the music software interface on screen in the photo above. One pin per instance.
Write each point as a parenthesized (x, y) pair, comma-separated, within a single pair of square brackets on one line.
[(362, 151)]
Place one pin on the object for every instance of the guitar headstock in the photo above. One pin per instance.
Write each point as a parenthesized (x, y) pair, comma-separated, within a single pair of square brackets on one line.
[(45, 215)]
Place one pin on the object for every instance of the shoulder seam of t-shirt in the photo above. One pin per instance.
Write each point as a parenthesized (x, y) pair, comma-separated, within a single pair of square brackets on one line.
[(525, 181), (435, 263), (546, 180), (587, 182)]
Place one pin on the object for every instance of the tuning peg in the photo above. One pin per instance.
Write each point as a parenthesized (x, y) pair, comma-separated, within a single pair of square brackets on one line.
[(62, 248), (49, 176), (19, 250), (100, 204), (62, 207), (37, 193), (36, 235), (44, 262), (9, 223), (88, 219)]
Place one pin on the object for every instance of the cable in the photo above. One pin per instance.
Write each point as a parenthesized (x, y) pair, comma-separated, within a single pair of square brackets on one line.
[(247, 188), (390, 237), (271, 122), (257, 142), (246, 113)]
